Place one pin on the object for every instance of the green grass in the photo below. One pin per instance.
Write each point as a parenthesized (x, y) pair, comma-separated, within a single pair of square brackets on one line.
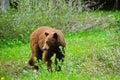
[(92, 54)]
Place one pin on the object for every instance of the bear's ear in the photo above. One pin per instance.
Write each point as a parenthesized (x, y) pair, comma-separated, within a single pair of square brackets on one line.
[(55, 35), (46, 33)]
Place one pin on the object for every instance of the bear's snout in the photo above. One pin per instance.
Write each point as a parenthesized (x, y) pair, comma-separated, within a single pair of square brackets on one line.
[(45, 47)]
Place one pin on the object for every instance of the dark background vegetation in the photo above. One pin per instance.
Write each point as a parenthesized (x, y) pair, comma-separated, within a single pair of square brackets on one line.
[(24, 16)]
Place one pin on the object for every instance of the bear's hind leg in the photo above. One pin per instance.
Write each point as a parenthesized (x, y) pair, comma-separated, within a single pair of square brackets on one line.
[(36, 52)]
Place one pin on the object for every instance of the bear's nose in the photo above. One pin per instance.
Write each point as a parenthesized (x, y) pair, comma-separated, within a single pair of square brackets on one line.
[(44, 49)]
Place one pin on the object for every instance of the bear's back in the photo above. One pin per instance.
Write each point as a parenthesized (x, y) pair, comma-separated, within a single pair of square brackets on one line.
[(40, 33)]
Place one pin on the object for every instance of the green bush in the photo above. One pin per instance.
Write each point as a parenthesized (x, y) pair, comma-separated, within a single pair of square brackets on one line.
[(16, 25)]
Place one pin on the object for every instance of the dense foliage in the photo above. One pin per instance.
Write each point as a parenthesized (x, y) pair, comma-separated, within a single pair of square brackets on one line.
[(16, 25)]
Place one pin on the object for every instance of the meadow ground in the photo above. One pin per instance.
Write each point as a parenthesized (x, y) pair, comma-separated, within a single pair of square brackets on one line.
[(90, 55)]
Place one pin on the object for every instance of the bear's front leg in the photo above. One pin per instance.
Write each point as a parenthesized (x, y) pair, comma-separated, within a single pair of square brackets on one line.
[(47, 58)]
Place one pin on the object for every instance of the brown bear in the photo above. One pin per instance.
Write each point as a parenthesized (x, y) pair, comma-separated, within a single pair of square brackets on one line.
[(44, 43)]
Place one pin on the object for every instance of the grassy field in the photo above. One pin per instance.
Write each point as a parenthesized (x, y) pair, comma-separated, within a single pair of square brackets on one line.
[(92, 54)]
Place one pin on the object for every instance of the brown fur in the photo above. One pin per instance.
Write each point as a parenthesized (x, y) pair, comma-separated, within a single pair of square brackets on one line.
[(46, 40)]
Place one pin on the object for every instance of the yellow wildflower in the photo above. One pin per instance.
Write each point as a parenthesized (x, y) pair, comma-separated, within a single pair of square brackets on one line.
[(2, 78)]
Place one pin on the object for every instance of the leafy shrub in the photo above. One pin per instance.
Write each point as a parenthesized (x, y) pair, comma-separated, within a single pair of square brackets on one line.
[(17, 25)]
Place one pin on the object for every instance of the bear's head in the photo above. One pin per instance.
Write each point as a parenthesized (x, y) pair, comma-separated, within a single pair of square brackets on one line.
[(51, 41)]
